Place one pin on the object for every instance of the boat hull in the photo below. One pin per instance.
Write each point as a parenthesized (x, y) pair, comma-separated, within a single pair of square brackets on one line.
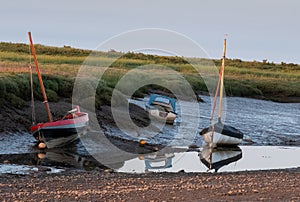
[(162, 108), (168, 117), (58, 137), (222, 135), (61, 132), (219, 139)]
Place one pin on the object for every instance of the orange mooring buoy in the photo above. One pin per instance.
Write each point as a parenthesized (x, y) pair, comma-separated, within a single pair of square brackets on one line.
[(41, 145), (41, 155), (142, 142)]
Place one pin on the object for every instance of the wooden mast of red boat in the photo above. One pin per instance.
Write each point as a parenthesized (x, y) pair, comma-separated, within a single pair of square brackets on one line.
[(40, 79)]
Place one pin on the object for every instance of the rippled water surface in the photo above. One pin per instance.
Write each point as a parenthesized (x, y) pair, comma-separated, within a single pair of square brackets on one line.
[(264, 122)]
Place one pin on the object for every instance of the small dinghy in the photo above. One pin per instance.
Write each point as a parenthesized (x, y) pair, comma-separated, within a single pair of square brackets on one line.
[(162, 108)]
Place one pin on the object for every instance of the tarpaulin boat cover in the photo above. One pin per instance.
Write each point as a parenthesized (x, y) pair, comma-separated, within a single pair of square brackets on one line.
[(162, 99)]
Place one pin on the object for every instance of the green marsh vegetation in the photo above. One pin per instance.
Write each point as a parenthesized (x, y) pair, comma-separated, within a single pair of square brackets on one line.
[(60, 65)]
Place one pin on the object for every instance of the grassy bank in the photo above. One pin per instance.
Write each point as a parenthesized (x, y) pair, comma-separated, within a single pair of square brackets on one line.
[(264, 80)]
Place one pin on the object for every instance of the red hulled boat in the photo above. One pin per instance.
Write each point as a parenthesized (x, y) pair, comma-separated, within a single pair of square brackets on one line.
[(63, 131), (59, 132)]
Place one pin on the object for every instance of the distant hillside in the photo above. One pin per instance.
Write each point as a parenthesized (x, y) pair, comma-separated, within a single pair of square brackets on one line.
[(70, 51), (263, 80)]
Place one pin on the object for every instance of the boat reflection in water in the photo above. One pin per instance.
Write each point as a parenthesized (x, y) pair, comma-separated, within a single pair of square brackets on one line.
[(212, 158), (168, 159), (60, 158), (155, 161), (216, 158), (162, 159)]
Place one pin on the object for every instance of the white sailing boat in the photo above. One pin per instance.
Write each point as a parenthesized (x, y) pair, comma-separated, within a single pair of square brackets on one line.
[(219, 134)]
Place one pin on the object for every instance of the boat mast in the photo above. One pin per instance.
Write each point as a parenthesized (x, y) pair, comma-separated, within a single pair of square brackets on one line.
[(222, 81), (40, 79)]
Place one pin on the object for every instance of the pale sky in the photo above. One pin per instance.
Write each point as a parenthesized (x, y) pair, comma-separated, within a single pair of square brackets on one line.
[(258, 29)]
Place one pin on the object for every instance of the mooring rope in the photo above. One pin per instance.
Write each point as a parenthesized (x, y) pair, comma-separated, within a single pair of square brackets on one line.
[(33, 118)]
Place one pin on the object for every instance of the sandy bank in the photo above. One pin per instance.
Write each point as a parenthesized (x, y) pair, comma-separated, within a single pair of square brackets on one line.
[(105, 186)]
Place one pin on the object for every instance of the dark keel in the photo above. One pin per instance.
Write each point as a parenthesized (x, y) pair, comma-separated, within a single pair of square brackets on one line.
[(61, 137)]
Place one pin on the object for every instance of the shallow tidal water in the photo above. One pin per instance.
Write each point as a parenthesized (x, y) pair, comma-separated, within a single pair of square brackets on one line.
[(264, 122), (274, 129), (243, 158)]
